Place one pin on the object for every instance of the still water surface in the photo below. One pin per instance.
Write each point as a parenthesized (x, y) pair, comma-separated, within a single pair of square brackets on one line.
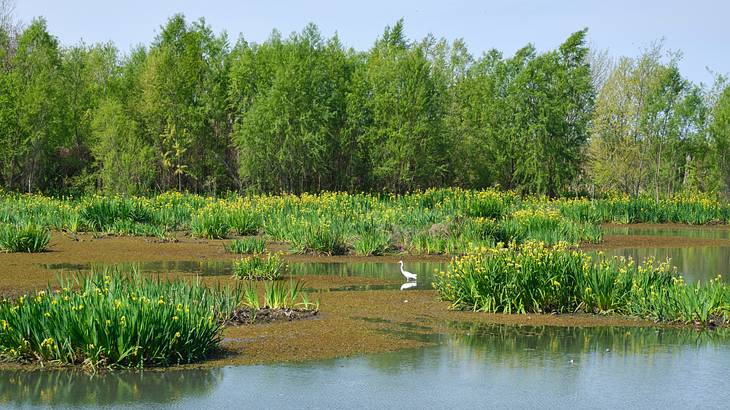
[(476, 366)]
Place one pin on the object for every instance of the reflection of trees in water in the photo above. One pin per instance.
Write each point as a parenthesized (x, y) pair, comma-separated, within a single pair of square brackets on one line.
[(512, 344), (73, 388)]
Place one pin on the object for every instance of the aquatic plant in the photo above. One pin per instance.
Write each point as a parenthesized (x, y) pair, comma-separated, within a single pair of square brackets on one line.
[(372, 243), (448, 220), (114, 319), (534, 277), (24, 238), (211, 223), (259, 267), (321, 239), (278, 295), (245, 245), (244, 221)]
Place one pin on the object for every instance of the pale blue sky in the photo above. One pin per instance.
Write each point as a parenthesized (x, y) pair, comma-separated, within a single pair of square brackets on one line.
[(699, 28)]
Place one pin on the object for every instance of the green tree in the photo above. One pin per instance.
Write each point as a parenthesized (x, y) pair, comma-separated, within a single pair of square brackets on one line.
[(404, 112), (182, 104), (720, 134), (289, 103), (33, 129), (123, 158)]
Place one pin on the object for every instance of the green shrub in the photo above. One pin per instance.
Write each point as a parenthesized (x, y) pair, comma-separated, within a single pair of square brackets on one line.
[(115, 320), (24, 238)]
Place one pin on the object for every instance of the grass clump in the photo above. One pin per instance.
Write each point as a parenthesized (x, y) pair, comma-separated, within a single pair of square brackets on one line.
[(533, 277), (115, 320), (258, 267), (101, 214), (210, 223), (245, 222), (246, 245), (372, 243), (324, 239), (278, 295), (24, 238)]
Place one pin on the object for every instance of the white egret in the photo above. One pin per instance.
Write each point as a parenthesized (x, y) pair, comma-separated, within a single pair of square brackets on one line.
[(409, 276)]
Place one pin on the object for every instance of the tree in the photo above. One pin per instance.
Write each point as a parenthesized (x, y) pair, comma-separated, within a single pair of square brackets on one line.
[(289, 99), (648, 127), (404, 111), (182, 105), (34, 112), (720, 134), (122, 156)]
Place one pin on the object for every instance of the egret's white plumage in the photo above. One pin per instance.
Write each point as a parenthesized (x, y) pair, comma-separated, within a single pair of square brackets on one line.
[(409, 276)]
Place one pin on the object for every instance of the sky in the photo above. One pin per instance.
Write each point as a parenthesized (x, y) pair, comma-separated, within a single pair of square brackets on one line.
[(698, 28)]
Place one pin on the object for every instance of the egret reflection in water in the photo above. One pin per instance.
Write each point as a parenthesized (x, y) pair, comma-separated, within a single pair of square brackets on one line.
[(408, 285)]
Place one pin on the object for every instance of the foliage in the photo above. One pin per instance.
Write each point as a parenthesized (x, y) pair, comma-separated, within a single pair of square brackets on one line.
[(439, 221), (305, 113), (112, 319), (210, 222), (278, 295), (24, 238)]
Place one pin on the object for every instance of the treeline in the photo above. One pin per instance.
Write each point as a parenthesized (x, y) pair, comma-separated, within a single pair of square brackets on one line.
[(304, 113)]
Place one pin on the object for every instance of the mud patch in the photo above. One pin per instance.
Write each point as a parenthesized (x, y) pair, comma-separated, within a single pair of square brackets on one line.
[(247, 316)]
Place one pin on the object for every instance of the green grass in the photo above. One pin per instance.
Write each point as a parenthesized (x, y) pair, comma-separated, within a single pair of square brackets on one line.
[(210, 223), (24, 238), (259, 267), (372, 243), (115, 319), (321, 239), (246, 246), (533, 277)]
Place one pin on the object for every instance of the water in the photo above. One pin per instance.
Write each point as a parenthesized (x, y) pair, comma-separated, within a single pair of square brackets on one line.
[(374, 270), (676, 231), (693, 262), (476, 366)]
